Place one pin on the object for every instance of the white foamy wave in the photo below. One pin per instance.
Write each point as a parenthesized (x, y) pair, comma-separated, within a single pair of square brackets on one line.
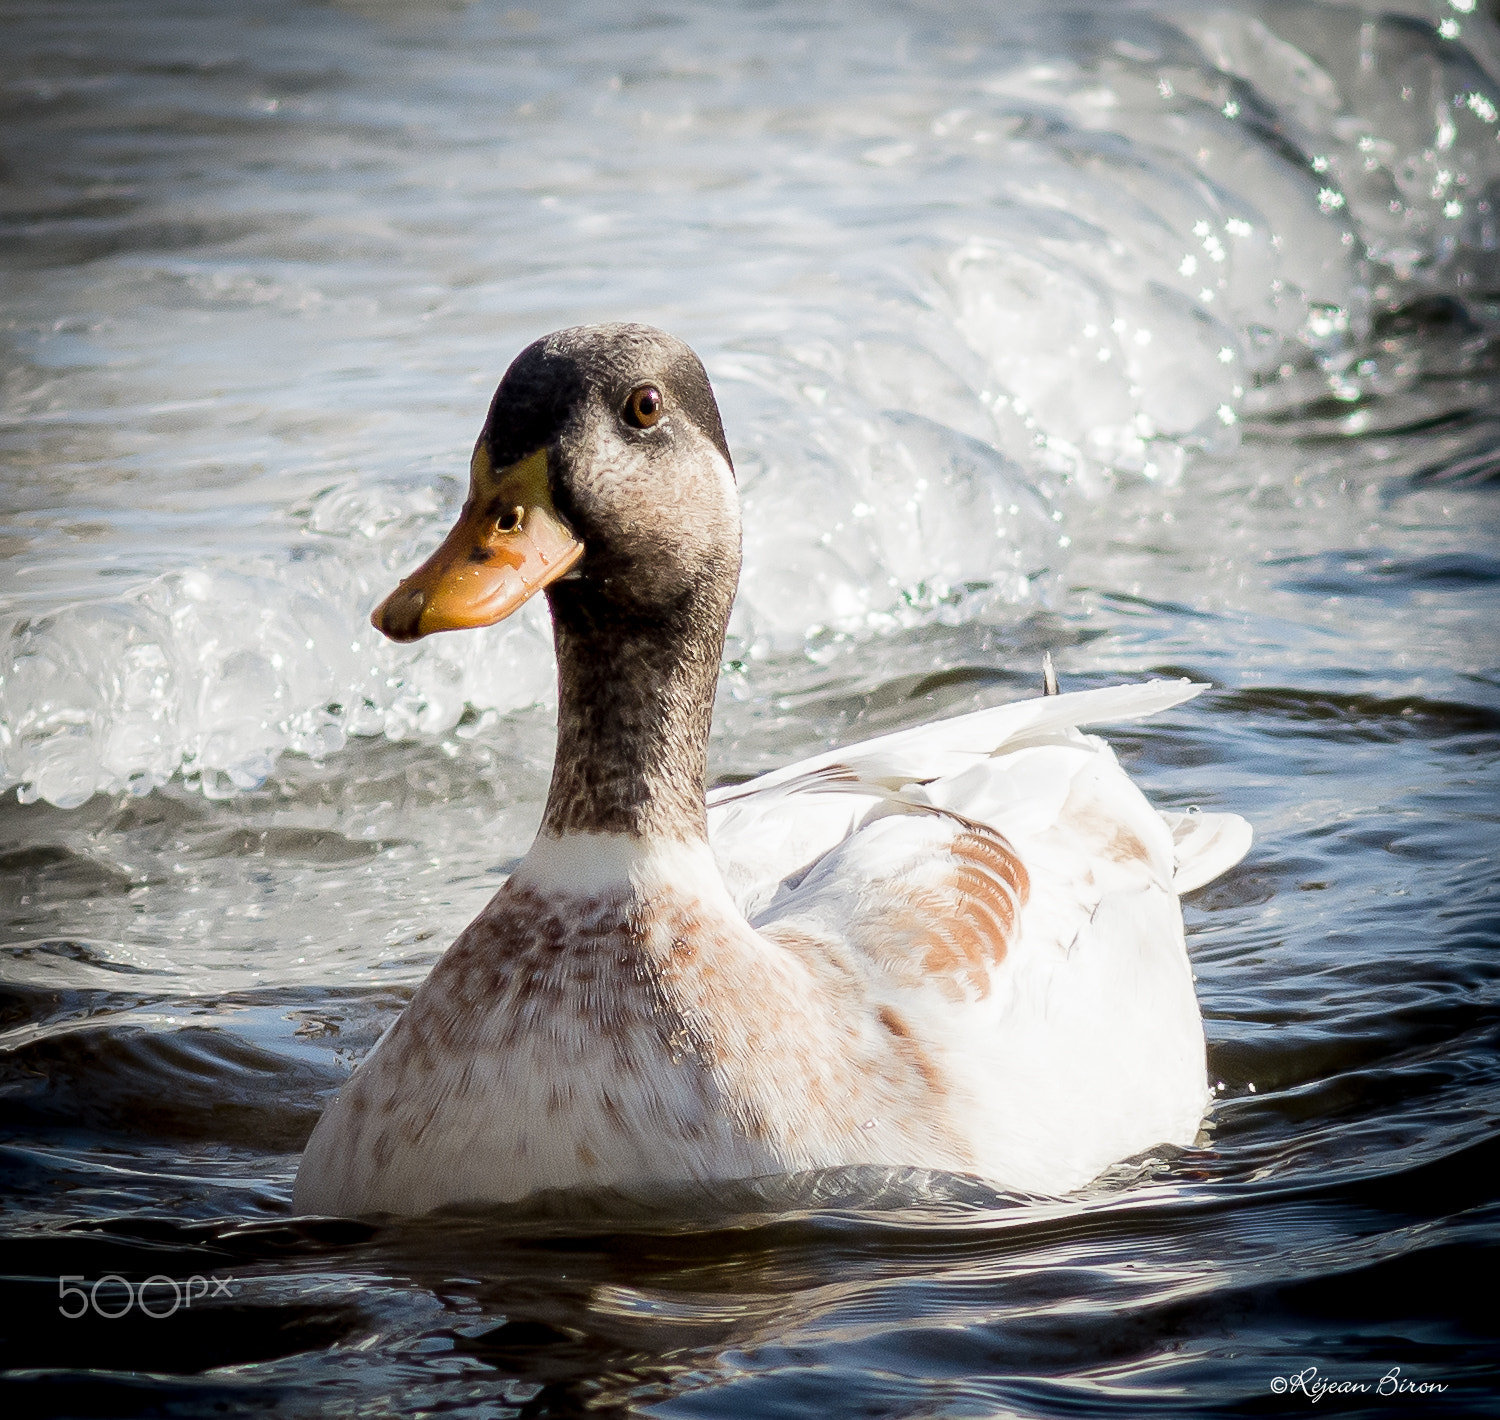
[(1087, 262), (859, 519), (218, 672)]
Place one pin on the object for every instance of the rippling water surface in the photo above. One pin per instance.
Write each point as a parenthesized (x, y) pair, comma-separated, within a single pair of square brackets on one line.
[(1165, 337)]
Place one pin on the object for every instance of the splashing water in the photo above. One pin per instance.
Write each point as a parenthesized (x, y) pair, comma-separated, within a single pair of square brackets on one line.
[(953, 284)]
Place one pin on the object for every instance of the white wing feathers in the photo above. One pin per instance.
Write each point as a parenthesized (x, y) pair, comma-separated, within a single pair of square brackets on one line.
[(774, 828), (947, 746)]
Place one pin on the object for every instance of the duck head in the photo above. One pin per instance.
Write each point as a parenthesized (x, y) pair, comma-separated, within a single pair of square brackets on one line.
[(601, 473)]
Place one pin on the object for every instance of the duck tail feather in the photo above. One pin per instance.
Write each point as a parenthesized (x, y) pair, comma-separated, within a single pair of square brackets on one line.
[(1205, 846)]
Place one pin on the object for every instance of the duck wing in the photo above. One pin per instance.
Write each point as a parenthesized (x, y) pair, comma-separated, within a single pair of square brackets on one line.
[(768, 832), (994, 899)]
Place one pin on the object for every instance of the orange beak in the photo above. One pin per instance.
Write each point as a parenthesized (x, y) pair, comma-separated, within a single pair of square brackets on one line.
[(509, 543)]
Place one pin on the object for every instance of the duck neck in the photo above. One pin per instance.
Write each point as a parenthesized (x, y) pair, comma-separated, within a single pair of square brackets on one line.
[(635, 702)]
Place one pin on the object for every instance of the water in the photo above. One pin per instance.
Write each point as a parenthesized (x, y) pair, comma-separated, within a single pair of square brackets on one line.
[(1163, 337)]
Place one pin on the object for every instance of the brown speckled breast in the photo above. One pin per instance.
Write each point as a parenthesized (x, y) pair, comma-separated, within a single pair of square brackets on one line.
[(609, 1039)]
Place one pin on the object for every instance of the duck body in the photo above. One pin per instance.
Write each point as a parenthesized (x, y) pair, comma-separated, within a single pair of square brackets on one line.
[(956, 947)]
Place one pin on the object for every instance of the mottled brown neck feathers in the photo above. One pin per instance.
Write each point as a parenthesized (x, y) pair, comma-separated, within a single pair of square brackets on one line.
[(635, 702)]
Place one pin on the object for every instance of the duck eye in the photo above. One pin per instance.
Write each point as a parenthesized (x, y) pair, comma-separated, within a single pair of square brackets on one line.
[(643, 408), (510, 519)]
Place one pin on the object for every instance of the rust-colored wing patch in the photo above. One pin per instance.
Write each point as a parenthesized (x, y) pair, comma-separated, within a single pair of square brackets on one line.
[(943, 920), (960, 926)]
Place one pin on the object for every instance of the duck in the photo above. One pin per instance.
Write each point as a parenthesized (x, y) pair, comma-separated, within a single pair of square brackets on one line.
[(957, 947)]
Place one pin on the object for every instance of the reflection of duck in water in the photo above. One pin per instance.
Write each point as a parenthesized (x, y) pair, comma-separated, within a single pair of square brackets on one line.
[(956, 947)]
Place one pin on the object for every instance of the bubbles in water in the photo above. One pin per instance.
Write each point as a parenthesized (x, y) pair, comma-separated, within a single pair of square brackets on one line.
[(217, 672)]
